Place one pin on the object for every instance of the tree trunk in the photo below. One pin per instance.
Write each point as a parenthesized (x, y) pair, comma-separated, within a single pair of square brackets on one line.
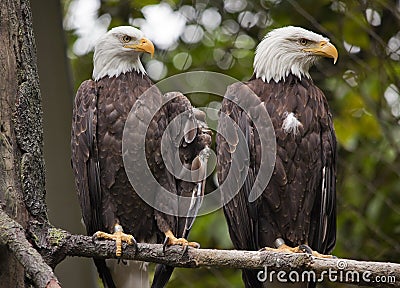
[(21, 163)]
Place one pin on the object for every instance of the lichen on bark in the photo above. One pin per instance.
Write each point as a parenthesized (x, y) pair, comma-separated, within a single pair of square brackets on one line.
[(27, 120)]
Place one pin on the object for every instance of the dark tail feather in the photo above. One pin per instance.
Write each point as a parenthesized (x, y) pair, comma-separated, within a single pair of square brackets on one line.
[(161, 275), (250, 279), (104, 273), (312, 285)]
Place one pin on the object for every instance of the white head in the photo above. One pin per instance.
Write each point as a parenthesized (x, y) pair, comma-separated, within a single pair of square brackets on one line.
[(290, 50), (118, 51)]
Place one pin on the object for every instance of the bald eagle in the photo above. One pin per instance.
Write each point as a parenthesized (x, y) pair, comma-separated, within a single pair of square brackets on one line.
[(109, 204), (298, 205)]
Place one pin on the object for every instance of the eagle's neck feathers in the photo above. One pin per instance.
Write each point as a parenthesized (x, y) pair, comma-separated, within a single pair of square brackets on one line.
[(107, 63), (286, 51), (276, 62)]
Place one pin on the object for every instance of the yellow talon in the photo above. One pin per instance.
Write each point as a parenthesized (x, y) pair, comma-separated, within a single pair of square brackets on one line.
[(172, 240), (118, 236), (282, 247)]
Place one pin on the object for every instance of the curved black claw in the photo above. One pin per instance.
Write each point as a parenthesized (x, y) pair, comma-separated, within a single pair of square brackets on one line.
[(123, 261), (305, 249), (165, 244), (197, 245), (134, 243), (185, 248)]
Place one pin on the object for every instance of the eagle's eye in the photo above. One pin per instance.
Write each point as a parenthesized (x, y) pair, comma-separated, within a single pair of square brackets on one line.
[(126, 38), (303, 41)]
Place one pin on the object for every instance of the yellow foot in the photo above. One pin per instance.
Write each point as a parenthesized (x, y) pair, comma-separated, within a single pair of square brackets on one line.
[(319, 255), (118, 236), (282, 247), (172, 240)]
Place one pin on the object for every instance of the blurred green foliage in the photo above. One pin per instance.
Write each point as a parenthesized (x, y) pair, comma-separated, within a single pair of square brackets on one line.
[(362, 89)]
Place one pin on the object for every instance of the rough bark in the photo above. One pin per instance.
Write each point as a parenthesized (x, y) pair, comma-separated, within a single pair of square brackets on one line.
[(12, 235), (21, 137)]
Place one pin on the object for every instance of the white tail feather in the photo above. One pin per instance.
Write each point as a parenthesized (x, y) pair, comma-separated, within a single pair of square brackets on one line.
[(131, 274)]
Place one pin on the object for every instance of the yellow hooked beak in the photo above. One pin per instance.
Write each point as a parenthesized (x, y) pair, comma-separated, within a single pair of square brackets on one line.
[(145, 45), (325, 49)]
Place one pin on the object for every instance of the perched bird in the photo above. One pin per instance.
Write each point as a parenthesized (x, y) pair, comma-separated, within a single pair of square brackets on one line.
[(110, 206), (297, 208)]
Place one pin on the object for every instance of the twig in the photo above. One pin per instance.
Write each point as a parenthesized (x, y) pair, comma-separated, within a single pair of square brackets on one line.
[(12, 235)]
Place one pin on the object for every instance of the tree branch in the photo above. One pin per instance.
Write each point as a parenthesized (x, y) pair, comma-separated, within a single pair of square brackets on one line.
[(12, 235), (378, 274)]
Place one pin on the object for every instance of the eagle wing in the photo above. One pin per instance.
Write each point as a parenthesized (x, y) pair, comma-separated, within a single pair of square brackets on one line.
[(84, 160), (241, 215), (175, 129), (85, 164), (189, 139), (169, 157), (324, 209)]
